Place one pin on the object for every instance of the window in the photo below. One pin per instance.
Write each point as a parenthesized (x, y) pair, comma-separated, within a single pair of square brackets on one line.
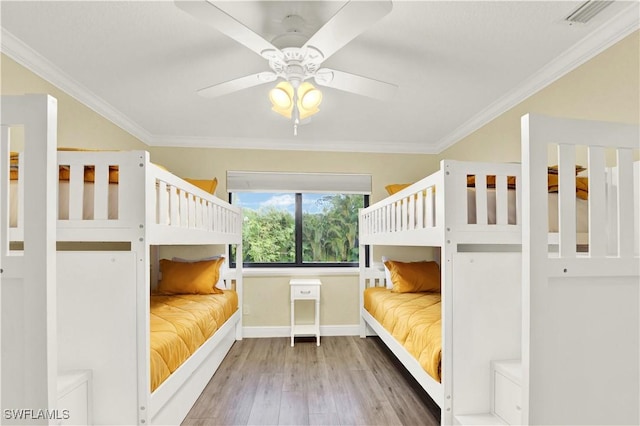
[(300, 229), (294, 227)]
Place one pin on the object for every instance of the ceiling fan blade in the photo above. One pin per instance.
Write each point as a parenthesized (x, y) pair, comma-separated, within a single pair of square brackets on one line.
[(355, 84), (237, 84), (348, 23), (220, 20)]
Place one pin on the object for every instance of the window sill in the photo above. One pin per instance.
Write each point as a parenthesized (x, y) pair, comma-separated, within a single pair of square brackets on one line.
[(299, 272)]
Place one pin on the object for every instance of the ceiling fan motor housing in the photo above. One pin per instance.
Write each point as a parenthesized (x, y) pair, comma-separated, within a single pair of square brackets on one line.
[(294, 64)]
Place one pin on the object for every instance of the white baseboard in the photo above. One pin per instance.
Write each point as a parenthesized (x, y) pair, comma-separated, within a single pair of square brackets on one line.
[(325, 330)]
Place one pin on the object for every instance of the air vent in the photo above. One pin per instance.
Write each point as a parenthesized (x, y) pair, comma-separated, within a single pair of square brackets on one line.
[(586, 11)]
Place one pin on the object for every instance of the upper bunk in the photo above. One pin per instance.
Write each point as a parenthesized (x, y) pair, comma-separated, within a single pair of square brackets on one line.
[(462, 203), (120, 196), (471, 203)]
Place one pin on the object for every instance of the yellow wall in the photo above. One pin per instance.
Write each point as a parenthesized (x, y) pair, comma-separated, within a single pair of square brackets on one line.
[(605, 88)]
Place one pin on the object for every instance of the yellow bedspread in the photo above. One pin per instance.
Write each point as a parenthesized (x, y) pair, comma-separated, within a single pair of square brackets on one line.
[(414, 319), (180, 324)]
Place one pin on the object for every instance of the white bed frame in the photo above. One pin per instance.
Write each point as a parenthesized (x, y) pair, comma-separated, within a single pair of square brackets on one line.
[(102, 303), (490, 309)]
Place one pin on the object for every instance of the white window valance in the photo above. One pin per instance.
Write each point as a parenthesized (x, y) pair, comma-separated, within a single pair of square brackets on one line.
[(342, 183)]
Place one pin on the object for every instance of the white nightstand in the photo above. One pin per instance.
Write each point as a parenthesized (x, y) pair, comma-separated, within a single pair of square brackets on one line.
[(305, 289)]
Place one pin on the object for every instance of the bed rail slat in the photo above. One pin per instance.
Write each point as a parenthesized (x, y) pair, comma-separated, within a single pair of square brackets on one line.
[(394, 218), (163, 203), (385, 224), (597, 216), (214, 217), (101, 192), (636, 203), (173, 206), (207, 216), (625, 203), (430, 208), (502, 205), (404, 224), (20, 218), (5, 184), (200, 204), (191, 208), (206, 224), (411, 213), (567, 199), (218, 222), (518, 183), (76, 191), (183, 209), (420, 210), (481, 199)]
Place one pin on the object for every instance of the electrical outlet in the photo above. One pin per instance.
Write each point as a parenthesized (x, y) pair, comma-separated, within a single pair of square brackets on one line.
[(246, 310)]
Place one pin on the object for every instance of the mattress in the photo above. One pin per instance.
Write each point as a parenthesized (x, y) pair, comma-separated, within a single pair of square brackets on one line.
[(414, 320), (180, 324), (582, 210)]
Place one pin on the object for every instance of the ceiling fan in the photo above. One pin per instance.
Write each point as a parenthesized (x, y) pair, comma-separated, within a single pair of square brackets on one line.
[(295, 97)]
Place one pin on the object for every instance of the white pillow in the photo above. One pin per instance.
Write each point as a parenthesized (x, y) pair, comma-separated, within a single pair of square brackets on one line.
[(220, 284), (387, 273)]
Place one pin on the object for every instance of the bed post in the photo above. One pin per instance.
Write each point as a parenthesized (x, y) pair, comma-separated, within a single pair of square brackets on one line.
[(446, 199), (144, 189), (29, 346), (362, 261), (239, 285)]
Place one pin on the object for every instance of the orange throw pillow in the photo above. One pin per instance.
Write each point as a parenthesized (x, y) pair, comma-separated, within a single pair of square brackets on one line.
[(207, 185), (414, 277), (189, 278), (396, 187)]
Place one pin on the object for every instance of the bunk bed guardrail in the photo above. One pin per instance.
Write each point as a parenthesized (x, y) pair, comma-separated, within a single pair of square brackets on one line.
[(101, 193), (480, 202)]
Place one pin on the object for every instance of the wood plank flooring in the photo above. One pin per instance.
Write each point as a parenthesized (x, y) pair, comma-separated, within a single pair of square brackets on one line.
[(344, 381)]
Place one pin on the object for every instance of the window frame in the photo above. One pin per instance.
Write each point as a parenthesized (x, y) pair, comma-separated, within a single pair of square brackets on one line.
[(298, 244)]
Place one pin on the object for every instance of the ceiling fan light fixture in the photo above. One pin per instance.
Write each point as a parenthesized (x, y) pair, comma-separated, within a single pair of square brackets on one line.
[(281, 98), (309, 97)]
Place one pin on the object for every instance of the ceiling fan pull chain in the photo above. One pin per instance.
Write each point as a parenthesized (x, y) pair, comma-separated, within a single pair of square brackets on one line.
[(296, 112)]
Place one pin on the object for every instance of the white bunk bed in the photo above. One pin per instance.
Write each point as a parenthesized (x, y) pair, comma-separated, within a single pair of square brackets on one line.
[(483, 233), (103, 295)]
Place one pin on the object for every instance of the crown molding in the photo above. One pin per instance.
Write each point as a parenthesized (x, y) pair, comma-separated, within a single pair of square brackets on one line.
[(291, 145), (615, 29), (17, 50)]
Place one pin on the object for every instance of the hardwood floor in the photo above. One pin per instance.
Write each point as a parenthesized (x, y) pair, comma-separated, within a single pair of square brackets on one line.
[(344, 381)]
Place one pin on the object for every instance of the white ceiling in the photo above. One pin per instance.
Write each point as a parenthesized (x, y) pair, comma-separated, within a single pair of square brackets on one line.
[(457, 65)]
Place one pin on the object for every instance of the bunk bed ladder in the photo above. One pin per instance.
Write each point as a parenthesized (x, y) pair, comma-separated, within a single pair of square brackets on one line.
[(28, 278)]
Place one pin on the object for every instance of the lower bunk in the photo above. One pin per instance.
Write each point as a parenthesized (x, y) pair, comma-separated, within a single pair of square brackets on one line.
[(160, 373), (410, 324)]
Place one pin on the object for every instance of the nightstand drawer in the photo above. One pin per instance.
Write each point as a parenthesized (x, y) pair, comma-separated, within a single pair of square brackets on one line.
[(305, 292)]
